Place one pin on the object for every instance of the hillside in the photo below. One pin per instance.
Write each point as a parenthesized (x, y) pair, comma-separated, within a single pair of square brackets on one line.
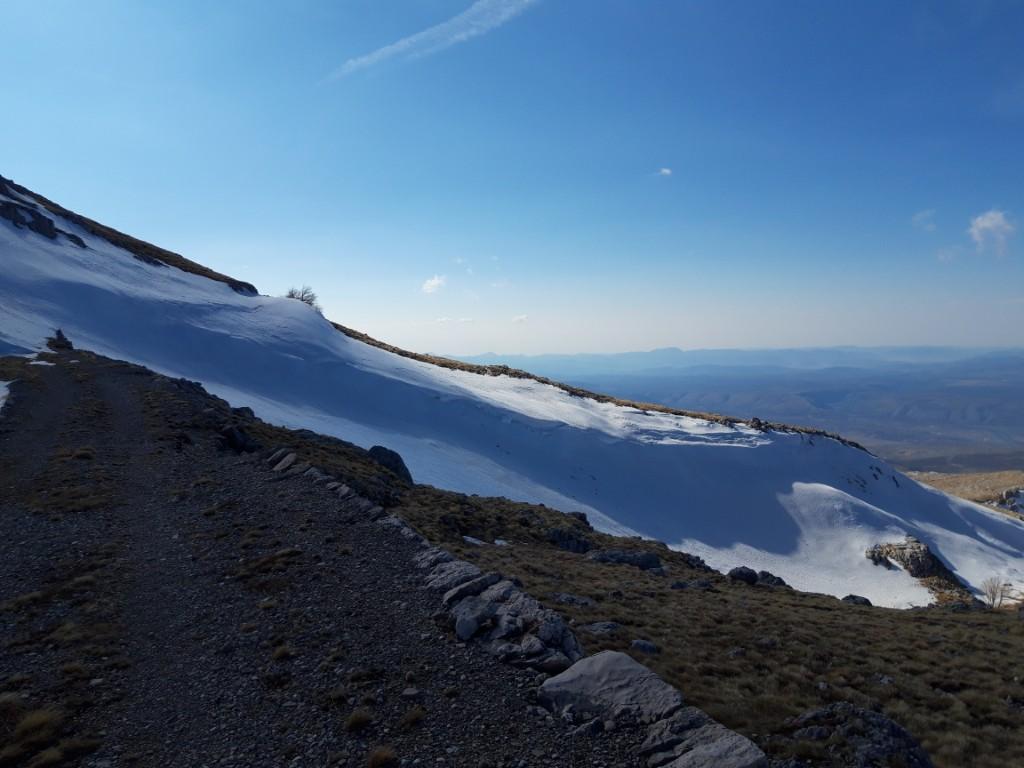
[(801, 505), (171, 601)]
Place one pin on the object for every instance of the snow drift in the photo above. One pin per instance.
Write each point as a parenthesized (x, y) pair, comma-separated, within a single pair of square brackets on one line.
[(802, 506)]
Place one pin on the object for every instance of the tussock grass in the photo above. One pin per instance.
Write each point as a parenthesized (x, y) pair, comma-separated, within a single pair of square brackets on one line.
[(754, 656), (359, 720), (382, 757)]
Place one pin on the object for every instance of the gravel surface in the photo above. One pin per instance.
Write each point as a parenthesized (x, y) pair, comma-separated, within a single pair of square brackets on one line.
[(171, 603)]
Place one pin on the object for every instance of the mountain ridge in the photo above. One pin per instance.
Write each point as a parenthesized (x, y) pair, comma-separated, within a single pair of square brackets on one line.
[(732, 492)]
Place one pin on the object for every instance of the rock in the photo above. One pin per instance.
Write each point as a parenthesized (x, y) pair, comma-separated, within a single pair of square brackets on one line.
[(644, 646), (582, 517), (447, 575), (236, 439), (391, 460), (471, 588), (471, 615), (564, 598), (691, 739), (59, 341), (768, 579), (569, 540), (860, 737), (645, 561), (285, 463), (410, 693), (680, 585), (744, 574), (856, 600), (911, 555), (611, 686), (277, 455), (601, 628)]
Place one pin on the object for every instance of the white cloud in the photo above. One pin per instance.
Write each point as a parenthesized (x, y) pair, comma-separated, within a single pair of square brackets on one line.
[(434, 284), (500, 283), (924, 220), (479, 19), (664, 171), (520, 318), (949, 254), (465, 320), (991, 230)]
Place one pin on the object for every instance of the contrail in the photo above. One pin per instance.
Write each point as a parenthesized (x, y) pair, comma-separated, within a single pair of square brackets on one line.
[(479, 19)]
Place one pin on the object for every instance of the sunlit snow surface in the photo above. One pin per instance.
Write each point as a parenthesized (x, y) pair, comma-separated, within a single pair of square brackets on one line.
[(802, 507)]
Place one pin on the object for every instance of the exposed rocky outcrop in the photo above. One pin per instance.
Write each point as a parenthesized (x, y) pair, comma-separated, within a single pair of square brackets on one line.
[(857, 738), (756, 578), (569, 540), (911, 555)]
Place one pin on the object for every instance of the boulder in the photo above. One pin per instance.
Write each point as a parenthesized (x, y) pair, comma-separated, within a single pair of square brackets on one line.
[(691, 739), (234, 438), (470, 588), (856, 600), (391, 460), (447, 575), (744, 574), (285, 463), (610, 686), (645, 561)]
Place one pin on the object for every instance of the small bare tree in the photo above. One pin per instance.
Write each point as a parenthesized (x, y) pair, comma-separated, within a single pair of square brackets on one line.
[(995, 591), (306, 295)]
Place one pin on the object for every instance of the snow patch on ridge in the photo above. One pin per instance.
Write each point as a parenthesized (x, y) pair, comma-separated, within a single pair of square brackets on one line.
[(802, 506)]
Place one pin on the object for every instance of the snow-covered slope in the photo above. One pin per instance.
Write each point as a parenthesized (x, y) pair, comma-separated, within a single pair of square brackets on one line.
[(804, 507)]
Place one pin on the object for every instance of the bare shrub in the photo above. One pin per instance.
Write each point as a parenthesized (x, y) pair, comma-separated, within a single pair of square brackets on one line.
[(995, 591), (306, 295)]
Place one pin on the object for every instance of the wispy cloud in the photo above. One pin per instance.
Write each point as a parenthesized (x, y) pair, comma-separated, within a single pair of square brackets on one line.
[(949, 254), (924, 220), (520, 318), (991, 230), (434, 284), (479, 19), (664, 172)]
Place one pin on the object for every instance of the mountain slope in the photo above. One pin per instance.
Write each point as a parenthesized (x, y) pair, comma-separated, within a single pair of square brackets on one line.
[(804, 506)]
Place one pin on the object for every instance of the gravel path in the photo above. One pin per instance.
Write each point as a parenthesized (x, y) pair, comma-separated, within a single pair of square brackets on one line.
[(170, 603)]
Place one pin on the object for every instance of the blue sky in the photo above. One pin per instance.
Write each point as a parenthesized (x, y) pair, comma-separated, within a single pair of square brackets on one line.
[(552, 175)]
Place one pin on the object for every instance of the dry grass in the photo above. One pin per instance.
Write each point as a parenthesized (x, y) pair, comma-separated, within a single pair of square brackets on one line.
[(412, 717), (981, 487), (753, 656), (359, 720)]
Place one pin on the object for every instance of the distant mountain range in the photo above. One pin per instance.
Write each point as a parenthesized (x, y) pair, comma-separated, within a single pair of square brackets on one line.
[(937, 408)]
